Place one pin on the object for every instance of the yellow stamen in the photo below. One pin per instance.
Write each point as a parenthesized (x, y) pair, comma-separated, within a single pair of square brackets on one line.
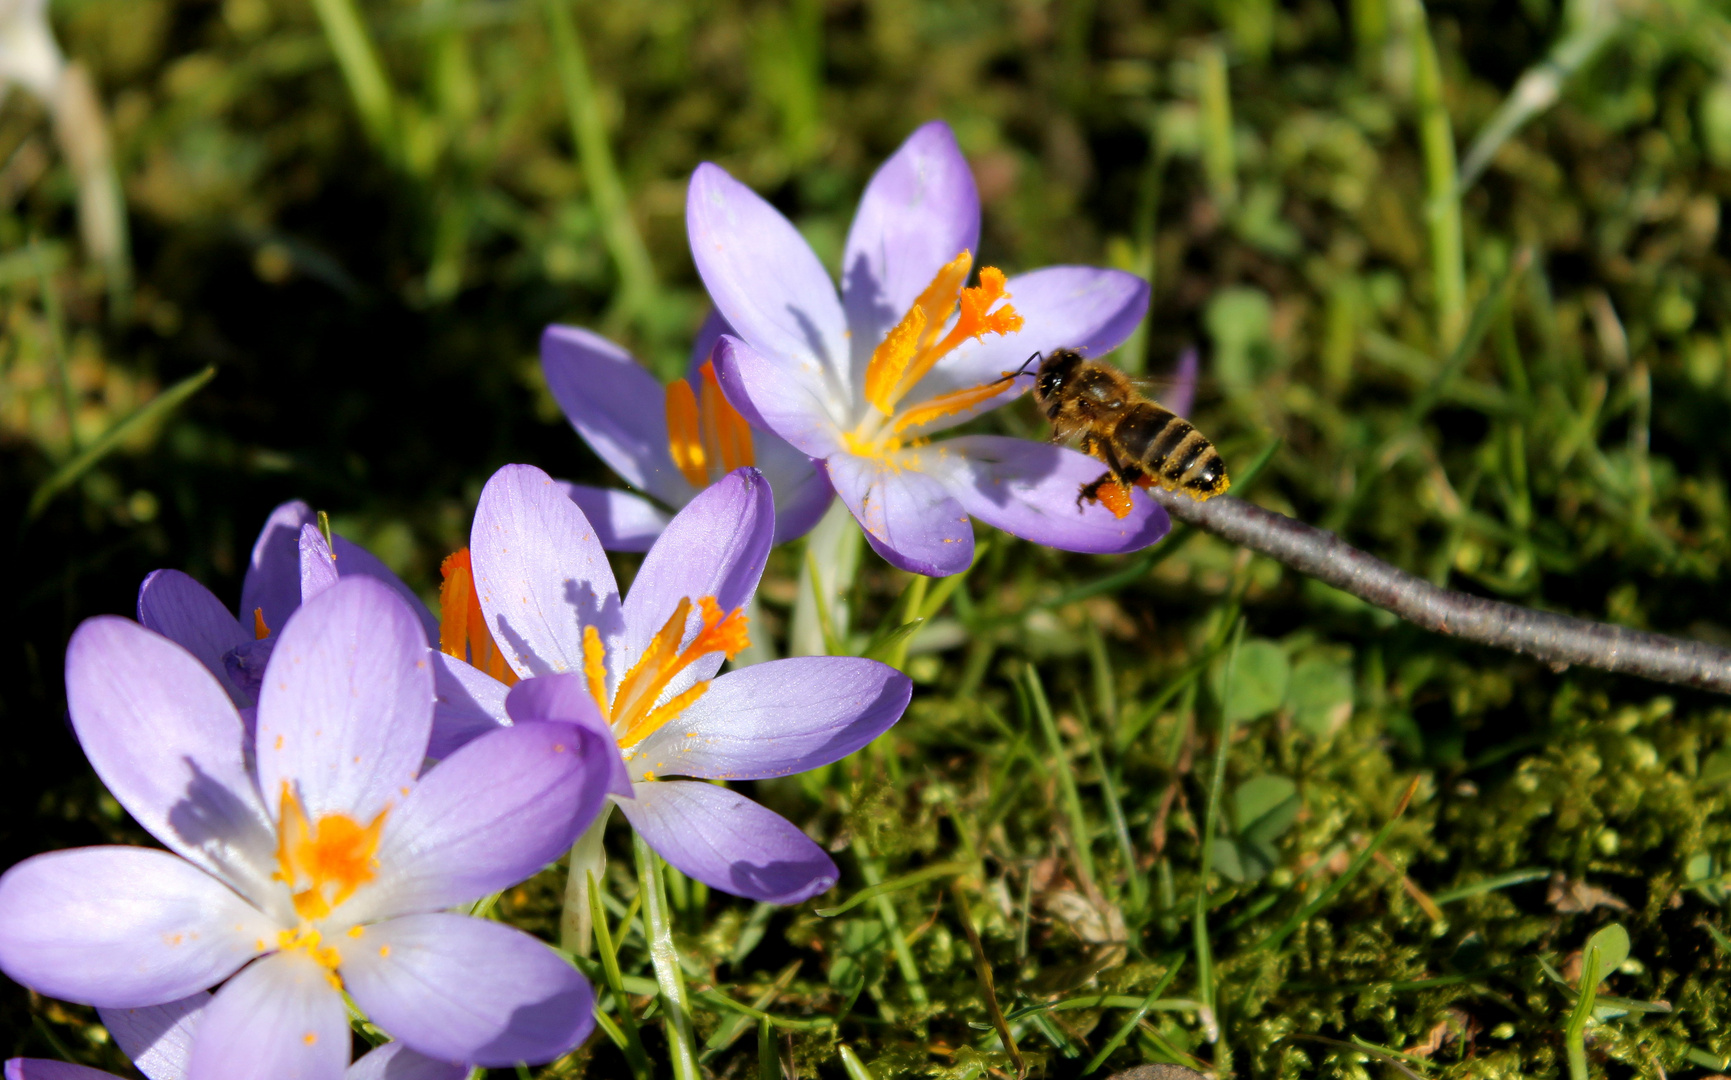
[(945, 404), (323, 862), (259, 630), (463, 629), (595, 666), (891, 358), (706, 436)]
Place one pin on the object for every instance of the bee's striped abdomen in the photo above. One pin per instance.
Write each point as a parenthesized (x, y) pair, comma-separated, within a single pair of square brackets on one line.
[(1171, 451)]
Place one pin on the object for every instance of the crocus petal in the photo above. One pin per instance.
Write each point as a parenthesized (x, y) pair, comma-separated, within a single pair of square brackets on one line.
[(759, 387), (121, 927), (43, 1069), (188, 614), (347, 703), (767, 283), (353, 560), (280, 1018), (622, 521), (703, 345), (273, 578), (394, 1061), (467, 703), (778, 718), (728, 842), (908, 518), (919, 212), (1183, 392), (540, 572), (167, 742), (566, 699), (1086, 308), (802, 491), (1029, 489), (487, 817), (157, 1038), (318, 564), (462, 989), (716, 546), (616, 406)]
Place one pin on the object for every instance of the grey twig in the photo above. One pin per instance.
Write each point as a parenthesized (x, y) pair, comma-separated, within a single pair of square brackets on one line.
[(1556, 639)]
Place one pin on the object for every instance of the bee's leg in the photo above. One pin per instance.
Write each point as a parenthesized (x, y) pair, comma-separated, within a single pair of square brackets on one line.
[(1091, 491)]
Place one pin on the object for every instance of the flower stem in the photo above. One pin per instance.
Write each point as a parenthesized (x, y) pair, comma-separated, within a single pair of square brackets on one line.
[(657, 919), (587, 864), (820, 613)]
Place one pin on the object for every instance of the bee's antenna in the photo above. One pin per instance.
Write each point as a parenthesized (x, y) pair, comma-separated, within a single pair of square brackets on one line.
[(1008, 375)]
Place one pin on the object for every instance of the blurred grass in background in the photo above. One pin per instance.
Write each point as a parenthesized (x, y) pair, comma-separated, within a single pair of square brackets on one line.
[(1464, 262)]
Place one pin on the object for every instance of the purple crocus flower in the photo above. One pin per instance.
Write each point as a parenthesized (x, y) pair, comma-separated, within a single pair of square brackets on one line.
[(671, 452), (158, 1041), (323, 862), (641, 671), (862, 382), (291, 563)]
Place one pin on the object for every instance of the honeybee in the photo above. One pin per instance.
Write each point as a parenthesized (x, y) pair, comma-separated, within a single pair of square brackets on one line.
[(1141, 441)]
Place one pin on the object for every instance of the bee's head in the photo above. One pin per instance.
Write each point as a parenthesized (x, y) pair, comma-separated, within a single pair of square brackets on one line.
[(1056, 372)]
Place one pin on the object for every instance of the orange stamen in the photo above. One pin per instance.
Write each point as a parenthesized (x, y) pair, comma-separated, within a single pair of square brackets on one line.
[(463, 629), (732, 432), (259, 630), (633, 706), (1116, 498), (685, 433), (323, 862), (908, 353), (706, 436)]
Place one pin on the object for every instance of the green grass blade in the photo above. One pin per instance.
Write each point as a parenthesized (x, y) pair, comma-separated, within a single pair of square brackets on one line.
[(1574, 1033), (896, 884), (658, 920), (1066, 774), (1491, 884), (856, 1069), (1124, 1031), (151, 411), (637, 284), (630, 1041), (358, 60), (1443, 204)]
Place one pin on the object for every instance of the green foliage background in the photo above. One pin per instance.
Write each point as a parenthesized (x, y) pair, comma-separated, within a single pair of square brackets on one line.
[(367, 251)]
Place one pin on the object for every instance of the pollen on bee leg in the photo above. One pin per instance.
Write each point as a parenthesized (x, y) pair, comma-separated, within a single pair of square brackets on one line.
[(1116, 498)]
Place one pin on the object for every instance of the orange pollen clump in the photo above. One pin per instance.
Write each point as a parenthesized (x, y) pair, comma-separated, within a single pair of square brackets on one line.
[(707, 436), (463, 629), (259, 630), (909, 351), (306, 939), (1116, 498), (634, 711), (323, 862)]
